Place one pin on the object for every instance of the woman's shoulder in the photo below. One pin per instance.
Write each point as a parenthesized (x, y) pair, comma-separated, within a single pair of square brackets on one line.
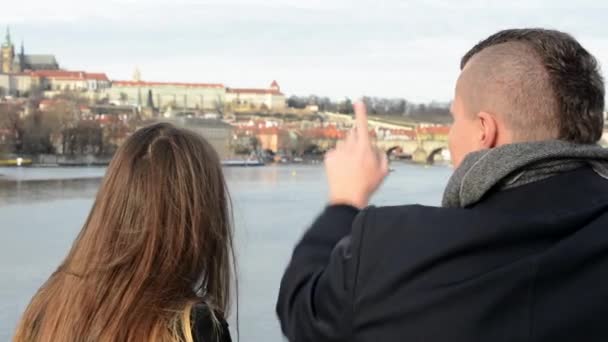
[(209, 327)]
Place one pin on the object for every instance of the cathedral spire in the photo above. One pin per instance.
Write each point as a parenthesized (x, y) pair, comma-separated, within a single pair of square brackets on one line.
[(22, 49), (8, 36)]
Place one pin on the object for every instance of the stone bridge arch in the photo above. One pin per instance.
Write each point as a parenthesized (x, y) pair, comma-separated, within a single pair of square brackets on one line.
[(427, 152), (394, 149), (431, 157), (420, 150)]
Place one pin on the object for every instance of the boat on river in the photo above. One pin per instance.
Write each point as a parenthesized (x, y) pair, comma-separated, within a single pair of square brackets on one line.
[(16, 162), (242, 162)]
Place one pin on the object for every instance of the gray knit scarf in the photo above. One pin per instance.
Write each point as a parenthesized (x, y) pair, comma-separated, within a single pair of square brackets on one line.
[(514, 165)]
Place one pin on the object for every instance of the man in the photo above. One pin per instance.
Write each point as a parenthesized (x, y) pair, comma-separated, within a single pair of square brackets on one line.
[(519, 249)]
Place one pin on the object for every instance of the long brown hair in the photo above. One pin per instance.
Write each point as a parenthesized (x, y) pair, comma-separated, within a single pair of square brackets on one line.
[(157, 241)]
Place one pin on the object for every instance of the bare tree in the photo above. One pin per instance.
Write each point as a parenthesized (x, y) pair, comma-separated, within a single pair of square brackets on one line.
[(61, 114), (297, 102), (11, 126), (123, 97), (150, 100), (84, 138), (36, 93), (345, 107), (36, 135)]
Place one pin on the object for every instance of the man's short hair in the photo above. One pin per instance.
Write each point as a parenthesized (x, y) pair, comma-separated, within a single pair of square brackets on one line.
[(573, 101)]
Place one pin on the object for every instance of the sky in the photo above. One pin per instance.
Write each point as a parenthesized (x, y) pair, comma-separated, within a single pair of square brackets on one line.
[(336, 48)]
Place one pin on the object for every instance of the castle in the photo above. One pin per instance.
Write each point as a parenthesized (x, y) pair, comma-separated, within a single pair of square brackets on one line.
[(14, 63), (21, 73)]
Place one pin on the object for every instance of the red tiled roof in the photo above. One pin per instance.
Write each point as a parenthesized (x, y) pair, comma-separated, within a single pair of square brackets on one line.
[(330, 132), (253, 91), (160, 84), (274, 84), (442, 130), (70, 75), (58, 73), (97, 76), (403, 132)]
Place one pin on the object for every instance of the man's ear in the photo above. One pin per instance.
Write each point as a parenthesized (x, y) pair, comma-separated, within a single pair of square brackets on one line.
[(488, 133)]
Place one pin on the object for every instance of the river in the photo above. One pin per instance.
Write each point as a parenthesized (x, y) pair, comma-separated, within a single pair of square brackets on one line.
[(41, 211)]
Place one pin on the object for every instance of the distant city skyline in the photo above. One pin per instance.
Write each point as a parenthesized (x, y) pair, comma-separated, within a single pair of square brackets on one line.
[(336, 48)]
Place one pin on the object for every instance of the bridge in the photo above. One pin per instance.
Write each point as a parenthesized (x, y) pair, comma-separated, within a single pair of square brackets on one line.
[(422, 150), (372, 121)]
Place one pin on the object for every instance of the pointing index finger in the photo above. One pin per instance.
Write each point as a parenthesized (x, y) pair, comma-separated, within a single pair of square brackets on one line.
[(361, 120)]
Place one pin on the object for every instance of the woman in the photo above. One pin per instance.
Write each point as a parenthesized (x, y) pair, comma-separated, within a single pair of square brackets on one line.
[(154, 259)]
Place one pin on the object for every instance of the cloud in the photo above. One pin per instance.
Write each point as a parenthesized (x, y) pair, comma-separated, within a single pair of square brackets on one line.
[(398, 48), (73, 11)]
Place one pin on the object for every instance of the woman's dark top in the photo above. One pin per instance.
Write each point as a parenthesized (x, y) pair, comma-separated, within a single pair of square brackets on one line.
[(204, 328)]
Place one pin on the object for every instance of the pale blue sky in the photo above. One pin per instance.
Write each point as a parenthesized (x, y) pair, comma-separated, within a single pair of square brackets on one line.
[(392, 48)]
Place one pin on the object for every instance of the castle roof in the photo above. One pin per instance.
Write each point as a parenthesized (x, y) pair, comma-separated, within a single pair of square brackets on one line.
[(70, 75), (40, 59), (168, 84), (253, 91)]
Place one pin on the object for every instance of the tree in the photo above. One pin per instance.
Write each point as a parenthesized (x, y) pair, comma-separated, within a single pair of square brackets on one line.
[(297, 102), (313, 100), (123, 98), (370, 104), (84, 138), (11, 127), (326, 105), (422, 108), (150, 101), (61, 114), (36, 135), (36, 93), (401, 107), (345, 107), (110, 135)]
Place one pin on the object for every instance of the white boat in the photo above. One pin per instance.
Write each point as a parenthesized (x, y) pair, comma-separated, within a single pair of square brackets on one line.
[(242, 162)]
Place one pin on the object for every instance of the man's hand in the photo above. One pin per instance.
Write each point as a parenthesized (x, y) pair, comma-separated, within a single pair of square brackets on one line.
[(355, 168)]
